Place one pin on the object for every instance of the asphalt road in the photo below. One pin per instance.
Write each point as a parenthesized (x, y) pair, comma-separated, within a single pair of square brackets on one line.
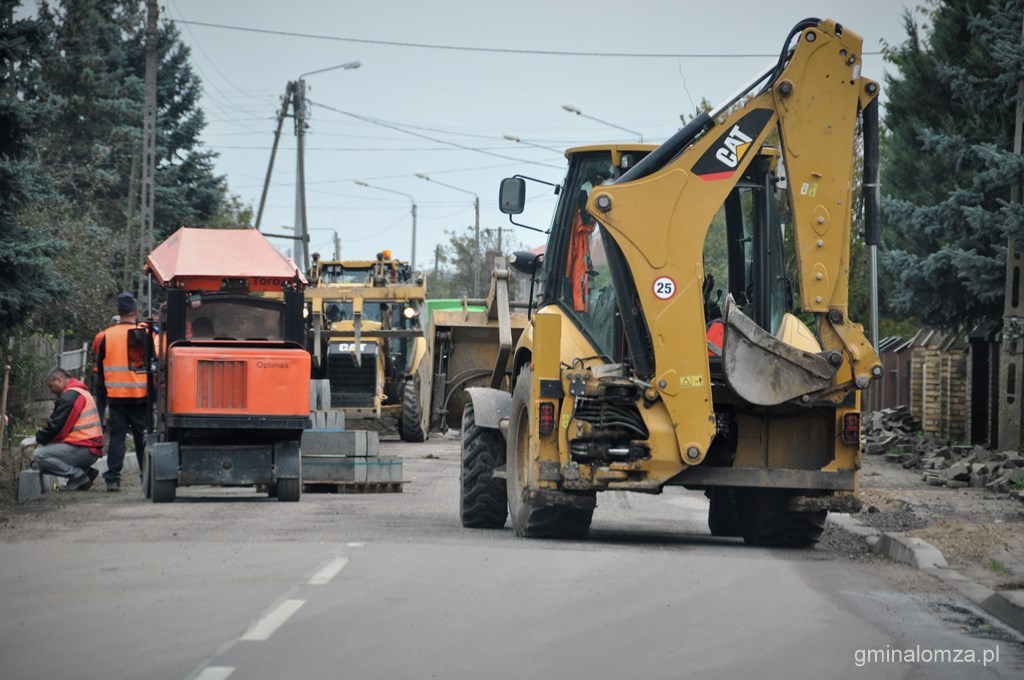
[(225, 583)]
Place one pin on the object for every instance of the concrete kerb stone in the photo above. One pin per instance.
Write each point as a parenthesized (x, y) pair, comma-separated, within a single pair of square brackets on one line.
[(1006, 605)]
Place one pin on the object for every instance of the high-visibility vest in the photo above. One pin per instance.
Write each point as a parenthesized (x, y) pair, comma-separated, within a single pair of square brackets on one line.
[(119, 379), (87, 428), (716, 338)]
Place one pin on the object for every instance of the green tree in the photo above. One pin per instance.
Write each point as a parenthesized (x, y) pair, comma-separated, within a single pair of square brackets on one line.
[(91, 74), (948, 164), (25, 253), (234, 214), (188, 191), (455, 275)]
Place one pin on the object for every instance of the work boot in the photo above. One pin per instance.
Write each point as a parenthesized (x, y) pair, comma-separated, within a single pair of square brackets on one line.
[(81, 482), (113, 486)]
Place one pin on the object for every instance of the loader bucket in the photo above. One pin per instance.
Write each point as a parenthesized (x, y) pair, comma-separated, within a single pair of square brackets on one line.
[(762, 369)]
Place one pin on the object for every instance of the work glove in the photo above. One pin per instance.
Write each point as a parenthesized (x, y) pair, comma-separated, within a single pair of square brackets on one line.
[(27, 442)]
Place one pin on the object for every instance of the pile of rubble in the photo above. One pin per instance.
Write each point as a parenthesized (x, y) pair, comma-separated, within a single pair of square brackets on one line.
[(895, 434)]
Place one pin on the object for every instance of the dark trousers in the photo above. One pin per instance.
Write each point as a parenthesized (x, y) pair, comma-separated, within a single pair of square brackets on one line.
[(124, 417)]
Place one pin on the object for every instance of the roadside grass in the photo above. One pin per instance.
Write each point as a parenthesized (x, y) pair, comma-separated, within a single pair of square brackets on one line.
[(997, 567)]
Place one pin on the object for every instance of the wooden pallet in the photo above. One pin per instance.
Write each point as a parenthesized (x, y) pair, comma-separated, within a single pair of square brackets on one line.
[(352, 487)]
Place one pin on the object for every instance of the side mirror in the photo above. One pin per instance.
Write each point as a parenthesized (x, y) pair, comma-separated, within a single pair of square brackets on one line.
[(512, 196), (526, 262)]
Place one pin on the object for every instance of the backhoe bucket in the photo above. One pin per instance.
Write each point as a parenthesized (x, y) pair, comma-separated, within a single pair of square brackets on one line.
[(762, 369)]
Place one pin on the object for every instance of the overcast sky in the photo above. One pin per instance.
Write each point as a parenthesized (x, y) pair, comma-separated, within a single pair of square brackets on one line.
[(462, 98)]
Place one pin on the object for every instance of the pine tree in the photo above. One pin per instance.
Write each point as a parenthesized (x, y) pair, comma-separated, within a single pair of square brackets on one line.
[(948, 164), (188, 192), (25, 254), (92, 75)]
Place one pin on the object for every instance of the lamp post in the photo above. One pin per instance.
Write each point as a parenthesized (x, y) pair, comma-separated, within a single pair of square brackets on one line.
[(412, 259), (299, 106), (476, 229), (573, 109), (513, 138)]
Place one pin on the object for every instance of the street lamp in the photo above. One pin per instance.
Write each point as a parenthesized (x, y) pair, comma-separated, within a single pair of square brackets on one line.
[(412, 260), (573, 109), (476, 228), (299, 105), (513, 138)]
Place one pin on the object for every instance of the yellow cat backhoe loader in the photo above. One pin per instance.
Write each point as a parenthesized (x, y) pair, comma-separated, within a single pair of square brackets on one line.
[(666, 349)]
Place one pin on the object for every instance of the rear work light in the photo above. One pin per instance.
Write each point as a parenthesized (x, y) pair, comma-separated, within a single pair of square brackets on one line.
[(546, 410), (850, 433)]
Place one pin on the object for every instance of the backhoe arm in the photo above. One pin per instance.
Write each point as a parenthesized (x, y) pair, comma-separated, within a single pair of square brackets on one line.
[(658, 215)]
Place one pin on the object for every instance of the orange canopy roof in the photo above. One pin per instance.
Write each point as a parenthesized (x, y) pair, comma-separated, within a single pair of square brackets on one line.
[(201, 259)]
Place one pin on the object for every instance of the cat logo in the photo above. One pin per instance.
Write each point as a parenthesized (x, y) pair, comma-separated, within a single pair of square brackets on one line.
[(735, 147), (723, 157)]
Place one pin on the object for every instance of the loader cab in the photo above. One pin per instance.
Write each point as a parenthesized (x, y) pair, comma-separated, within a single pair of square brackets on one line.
[(744, 250), (577, 270)]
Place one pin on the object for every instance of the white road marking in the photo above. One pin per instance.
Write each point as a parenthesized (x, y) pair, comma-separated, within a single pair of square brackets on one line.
[(324, 576), (266, 626), (215, 673), (356, 545)]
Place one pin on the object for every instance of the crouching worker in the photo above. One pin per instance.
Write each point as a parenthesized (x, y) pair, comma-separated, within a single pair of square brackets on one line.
[(72, 440)]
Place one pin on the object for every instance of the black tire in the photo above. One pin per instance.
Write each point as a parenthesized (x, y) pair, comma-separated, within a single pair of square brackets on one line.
[(534, 520), (410, 425), (722, 517), (766, 520), (289, 490), (482, 501), (271, 490)]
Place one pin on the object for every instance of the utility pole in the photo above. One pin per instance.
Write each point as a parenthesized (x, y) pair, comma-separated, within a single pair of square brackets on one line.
[(301, 228), (281, 115), (149, 140), (438, 256), (1011, 370), (133, 186), (337, 246)]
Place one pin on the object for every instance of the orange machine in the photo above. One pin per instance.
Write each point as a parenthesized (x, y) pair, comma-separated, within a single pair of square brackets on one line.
[(233, 372)]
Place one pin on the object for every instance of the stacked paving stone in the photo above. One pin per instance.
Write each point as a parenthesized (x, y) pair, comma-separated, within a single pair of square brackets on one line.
[(891, 432), (345, 460)]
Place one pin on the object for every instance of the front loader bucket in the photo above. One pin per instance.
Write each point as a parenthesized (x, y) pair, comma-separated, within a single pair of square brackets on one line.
[(762, 369)]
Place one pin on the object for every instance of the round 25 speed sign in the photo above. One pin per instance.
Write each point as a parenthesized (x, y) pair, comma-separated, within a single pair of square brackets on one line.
[(664, 287)]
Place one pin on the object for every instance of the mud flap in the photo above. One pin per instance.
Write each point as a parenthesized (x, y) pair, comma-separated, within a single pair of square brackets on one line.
[(287, 460), (165, 461), (762, 369), (491, 406)]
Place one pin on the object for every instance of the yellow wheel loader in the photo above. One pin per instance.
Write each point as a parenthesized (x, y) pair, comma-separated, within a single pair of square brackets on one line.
[(367, 342), (665, 348)]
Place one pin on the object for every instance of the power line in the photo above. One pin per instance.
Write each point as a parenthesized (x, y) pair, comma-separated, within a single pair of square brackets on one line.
[(351, 148), (498, 50), (396, 126)]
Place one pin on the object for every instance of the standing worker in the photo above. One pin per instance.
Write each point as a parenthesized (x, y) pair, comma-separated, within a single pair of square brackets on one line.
[(72, 440), (123, 389)]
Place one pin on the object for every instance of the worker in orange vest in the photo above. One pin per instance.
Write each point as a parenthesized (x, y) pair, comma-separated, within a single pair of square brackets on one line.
[(72, 439), (123, 387)]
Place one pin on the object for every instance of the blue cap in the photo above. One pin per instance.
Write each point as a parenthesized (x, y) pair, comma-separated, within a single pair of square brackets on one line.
[(126, 303)]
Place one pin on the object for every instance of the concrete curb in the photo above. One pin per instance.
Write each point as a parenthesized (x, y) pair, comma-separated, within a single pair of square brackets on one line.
[(1005, 605)]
